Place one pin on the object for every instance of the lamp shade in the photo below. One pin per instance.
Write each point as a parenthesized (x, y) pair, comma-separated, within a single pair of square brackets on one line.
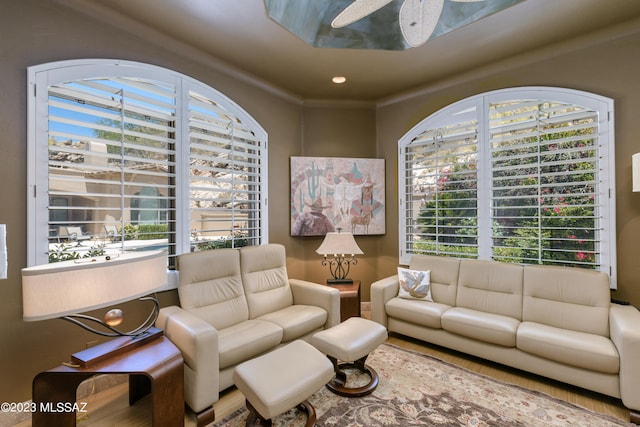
[(64, 288), (635, 172), (339, 244)]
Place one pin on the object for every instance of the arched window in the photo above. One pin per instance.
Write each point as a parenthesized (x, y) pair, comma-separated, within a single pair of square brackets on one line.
[(521, 175), (133, 157)]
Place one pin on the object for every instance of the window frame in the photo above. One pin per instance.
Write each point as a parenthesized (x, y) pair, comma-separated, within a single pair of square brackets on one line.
[(43, 76), (481, 102)]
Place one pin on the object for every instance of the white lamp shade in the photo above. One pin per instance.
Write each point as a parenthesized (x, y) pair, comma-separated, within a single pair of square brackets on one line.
[(69, 287), (339, 243), (635, 172)]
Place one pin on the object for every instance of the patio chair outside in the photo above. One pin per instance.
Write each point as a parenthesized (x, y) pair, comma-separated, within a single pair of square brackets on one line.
[(111, 231), (75, 234)]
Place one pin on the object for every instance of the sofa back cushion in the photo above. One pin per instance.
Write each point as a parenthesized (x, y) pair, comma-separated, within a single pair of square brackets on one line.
[(210, 286), (567, 298), (444, 276), (265, 279), (490, 286)]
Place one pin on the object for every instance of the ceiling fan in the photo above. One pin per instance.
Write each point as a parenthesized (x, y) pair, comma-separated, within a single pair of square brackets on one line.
[(418, 18)]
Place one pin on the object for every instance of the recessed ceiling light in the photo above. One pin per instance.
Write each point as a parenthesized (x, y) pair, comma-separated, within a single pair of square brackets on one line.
[(339, 79)]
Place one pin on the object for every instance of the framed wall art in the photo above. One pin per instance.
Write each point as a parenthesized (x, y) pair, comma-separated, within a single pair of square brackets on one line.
[(337, 194)]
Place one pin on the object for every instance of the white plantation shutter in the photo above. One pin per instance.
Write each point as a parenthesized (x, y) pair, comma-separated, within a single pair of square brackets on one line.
[(111, 141), (126, 156), (544, 180), (440, 184), (544, 161), (226, 177)]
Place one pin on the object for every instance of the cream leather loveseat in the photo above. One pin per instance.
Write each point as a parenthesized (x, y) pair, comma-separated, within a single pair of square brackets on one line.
[(236, 305), (553, 321)]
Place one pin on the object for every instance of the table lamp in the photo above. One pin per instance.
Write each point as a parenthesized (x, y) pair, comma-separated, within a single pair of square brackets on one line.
[(339, 244), (65, 289)]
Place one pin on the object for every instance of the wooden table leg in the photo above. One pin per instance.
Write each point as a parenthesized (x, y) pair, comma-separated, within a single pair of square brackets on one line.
[(156, 367), (54, 396), (167, 393)]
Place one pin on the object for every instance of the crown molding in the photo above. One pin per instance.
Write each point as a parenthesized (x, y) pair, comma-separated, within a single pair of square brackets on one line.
[(338, 103), (605, 35)]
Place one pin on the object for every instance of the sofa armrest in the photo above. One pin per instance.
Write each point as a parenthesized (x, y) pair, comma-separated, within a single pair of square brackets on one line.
[(326, 297), (381, 292), (624, 321), (198, 343)]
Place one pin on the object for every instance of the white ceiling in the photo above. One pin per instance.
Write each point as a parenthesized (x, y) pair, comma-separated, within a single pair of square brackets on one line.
[(239, 33)]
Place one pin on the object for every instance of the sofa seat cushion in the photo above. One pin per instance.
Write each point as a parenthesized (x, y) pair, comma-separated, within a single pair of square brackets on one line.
[(245, 340), (423, 313), (580, 349), (487, 327), (297, 320)]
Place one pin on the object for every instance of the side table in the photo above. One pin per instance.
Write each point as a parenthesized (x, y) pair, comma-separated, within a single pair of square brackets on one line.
[(349, 299), (156, 367)]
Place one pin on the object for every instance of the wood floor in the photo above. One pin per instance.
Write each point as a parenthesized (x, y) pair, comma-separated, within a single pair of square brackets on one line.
[(110, 408)]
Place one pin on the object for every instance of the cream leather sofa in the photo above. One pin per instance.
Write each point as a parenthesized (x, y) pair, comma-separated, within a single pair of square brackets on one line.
[(553, 321), (236, 305)]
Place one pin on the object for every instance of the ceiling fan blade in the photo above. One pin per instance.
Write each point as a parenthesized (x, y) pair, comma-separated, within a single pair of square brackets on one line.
[(356, 11), (418, 19)]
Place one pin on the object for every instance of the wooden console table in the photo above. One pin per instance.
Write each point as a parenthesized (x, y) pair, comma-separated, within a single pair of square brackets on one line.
[(349, 299), (155, 367)]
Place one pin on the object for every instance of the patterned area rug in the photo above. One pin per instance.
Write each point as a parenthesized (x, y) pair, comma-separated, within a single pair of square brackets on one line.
[(419, 390)]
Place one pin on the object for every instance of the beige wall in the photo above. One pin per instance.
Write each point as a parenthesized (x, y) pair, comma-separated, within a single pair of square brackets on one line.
[(39, 31)]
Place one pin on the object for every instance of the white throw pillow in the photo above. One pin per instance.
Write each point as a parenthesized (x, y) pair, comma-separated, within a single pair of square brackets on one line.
[(414, 284)]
